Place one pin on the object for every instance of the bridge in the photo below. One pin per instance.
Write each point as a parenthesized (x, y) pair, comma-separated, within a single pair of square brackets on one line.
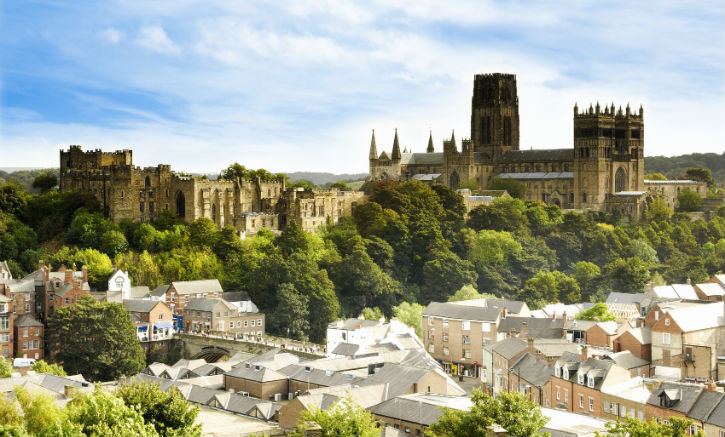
[(216, 348)]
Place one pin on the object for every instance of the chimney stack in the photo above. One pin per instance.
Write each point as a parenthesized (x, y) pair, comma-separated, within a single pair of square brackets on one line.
[(524, 330), (84, 269), (504, 313), (68, 277), (532, 351), (553, 316), (585, 353), (688, 280)]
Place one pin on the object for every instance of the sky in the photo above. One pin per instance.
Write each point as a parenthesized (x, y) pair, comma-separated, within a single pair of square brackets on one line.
[(300, 85)]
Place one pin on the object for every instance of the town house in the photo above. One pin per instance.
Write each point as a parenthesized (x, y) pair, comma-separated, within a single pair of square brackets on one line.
[(153, 320), (532, 377), (28, 337), (205, 315), (179, 293)]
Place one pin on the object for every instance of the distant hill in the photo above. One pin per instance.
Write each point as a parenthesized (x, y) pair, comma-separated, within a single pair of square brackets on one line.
[(24, 176), (675, 166), (325, 178)]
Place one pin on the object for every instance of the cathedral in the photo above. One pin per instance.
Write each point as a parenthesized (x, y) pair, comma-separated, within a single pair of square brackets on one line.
[(604, 170)]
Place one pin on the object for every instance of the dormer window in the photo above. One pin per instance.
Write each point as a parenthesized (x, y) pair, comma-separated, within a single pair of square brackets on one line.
[(557, 371), (580, 379), (590, 381), (565, 374)]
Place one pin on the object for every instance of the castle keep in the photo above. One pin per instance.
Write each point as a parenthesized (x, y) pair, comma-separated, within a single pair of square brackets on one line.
[(129, 192), (603, 171)]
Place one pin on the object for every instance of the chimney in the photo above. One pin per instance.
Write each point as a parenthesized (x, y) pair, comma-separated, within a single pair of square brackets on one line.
[(84, 269), (585, 351), (504, 313), (553, 315), (565, 333), (68, 277), (563, 319), (688, 280), (711, 385), (532, 351), (524, 330)]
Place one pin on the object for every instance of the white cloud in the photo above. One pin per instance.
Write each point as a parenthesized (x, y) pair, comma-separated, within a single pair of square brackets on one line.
[(155, 39), (111, 35)]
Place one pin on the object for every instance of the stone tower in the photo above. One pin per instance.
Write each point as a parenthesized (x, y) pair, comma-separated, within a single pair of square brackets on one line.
[(608, 153), (495, 114)]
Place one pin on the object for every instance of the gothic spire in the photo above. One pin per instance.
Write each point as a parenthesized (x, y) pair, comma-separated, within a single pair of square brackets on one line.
[(396, 147), (430, 143), (453, 138), (373, 147)]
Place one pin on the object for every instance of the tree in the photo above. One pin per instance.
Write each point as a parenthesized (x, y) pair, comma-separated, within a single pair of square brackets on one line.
[(345, 418), (291, 317), (411, 314), (511, 410), (42, 416), (41, 366), (203, 232), (688, 200), (492, 247), (372, 313), (342, 186), (655, 177), (45, 182), (6, 368), (12, 198), (168, 411), (598, 313), (515, 188), (96, 339), (502, 214), (467, 292), (701, 174), (627, 275), (677, 427), (101, 414)]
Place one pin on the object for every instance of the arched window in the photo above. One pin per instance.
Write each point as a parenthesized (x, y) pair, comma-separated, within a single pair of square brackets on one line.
[(180, 204), (148, 181), (213, 212), (620, 180)]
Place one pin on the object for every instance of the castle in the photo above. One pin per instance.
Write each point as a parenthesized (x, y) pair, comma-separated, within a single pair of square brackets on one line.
[(129, 192), (604, 171)]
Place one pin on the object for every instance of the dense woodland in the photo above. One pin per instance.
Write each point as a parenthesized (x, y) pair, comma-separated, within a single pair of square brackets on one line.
[(409, 243)]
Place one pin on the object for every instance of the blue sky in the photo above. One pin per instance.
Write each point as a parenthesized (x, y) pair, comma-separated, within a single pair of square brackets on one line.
[(299, 85)]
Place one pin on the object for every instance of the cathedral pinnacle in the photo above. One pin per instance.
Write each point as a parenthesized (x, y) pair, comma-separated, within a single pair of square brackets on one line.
[(373, 148), (396, 147), (430, 143)]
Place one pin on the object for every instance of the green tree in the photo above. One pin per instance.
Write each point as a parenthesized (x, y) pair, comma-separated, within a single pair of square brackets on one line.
[(492, 247), (598, 313), (6, 368), (203, 232), (41, 366), (12, 198), (468, 292), (372, 313), (676, 427), (45, 182), (444, 274), (43, 417), (345, 418), (411, 314), (293, 239), (701, 174), (642, 250), (342, 186), (98, 264), (9, 411), (688, 200), (168, 411), (95, 339), (101, 414), (511, 410), (627, 275), (291, 317), (655, 177), (515, 188), (502, 214)]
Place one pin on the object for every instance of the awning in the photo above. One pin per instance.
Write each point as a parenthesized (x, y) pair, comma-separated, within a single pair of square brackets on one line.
[(163, 325), (143, 328)]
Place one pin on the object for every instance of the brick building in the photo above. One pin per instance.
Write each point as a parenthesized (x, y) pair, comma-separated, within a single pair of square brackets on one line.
[(636, 340), (153, 321), (28, 337), (220, 317), (6, 326), (179, 293)]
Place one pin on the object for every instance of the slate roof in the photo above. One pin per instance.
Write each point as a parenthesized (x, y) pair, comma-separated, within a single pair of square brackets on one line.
[(408, 410), (535, 327), (698, 317), (160, 290), (628, 360), (676, 291), (200, 286), (426, 176), (684, 396), (643, 334), (139, 291), (62, 291), (538, 175), (348, 349), (203, 304), (555, 347), (325, 378), (398, 377), (579, 325), (609, 327), (509, 348), (255, 373), (599, 369), (717, 416), (512, 306), (461, 312), (139, 305), (435, 158), (705, 404), (536, 372), (625, 298), (26, 320), (538, 155)]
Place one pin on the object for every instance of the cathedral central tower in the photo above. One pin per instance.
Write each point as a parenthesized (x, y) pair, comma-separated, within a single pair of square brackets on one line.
[(495, 114)]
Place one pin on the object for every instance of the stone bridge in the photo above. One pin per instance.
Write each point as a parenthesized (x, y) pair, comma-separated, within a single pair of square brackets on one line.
[(215, 348)]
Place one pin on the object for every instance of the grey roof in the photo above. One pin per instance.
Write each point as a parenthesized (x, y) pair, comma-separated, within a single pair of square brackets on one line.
[(536, 372), (348, 349), (538, 155), (426, 176), (579, 325), (58, 383), (200, 286), (626, 298), (705, 404), (325, 378), (24, 320), (398, 377), (202, 304), (139, 291), (201, 395), (569, 358), (62, 291), (463, 312), (643, 334), (512, 306), (599, 368), (421, 158), (717, 416), (538, 175), (535, 327), (255, 373), (139, 305), (509, 348), (555, 347), (160, 290), (408, 410), (684, 396), (628, 360)]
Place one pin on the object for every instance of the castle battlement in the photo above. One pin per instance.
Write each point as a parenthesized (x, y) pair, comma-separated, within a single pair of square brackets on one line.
[(609, 112)]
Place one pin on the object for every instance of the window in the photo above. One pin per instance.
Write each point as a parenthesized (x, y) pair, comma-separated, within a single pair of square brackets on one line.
[(218, 314), (25, 332), (37, 332), (557, 392), (590, 381), (557, 371), (259, 322), (580, 379), (486, 342), (445, 323), (25, 345), (466, 353), (246, 323), (141, 206), (430, 321), (605, 405), (407, 430), (565, 374), (584, 197), (445, 351), (431, 348), (252, 323), (27, 307), (614, 408), (226, 313), (657, 315), (445, 336), (239, 323), (465, 339), (591, 404), (667, 321), (640, 417), (466, 325), (36, 344), (485, 327), (4, 337), (665, 338), (581, 401)]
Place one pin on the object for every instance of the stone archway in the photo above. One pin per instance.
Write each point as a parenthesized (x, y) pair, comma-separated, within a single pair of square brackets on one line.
[(180, 204), (620, 180), (455, 180)]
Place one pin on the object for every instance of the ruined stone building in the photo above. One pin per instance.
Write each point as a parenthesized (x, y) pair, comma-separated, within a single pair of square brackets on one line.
[(129, 192), (604, 170)]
